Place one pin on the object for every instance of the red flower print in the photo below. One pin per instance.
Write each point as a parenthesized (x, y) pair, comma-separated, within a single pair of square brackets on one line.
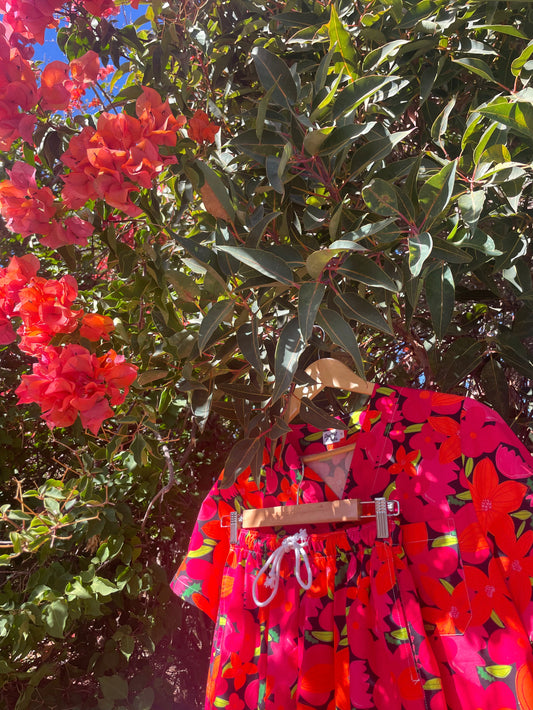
[(517, 565), (238, 670), (451, 611), (405, 462), (478, 435), (493, 500), (201, 129), (487, 594)]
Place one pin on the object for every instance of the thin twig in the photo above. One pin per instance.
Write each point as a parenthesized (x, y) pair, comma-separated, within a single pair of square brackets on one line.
[(171, 471)]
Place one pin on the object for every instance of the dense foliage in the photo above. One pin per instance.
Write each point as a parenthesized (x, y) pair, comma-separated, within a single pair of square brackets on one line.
[(196, 206)]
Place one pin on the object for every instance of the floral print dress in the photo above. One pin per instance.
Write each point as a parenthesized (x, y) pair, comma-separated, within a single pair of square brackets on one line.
[(438, 615)]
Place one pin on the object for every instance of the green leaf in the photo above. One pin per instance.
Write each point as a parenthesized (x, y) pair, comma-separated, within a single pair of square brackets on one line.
[(248, 342), (262, 261), (354, 307), (440, 125), (103, 586), (55, 617), (274, 74), (436, 193), (496, 386), (113, 687), (340, 38), (477, 66), (240, 457), (420, 246), (213, 318), (342, 137), (256, 232), (518, 116), (519, 62), (340, 333), (381, 54), (448, 251), (362, 269), (471, 206), (311, 414), (218, 188), (272, 165), (380, 197), (309, 299), (289, 347), (144, 700), (358, 92), (461, 358), (374, 151), (503, 29), (440, 295), (318, 260)]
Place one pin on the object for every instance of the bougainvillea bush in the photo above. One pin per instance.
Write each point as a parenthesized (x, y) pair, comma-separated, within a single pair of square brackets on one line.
[(197, 201)]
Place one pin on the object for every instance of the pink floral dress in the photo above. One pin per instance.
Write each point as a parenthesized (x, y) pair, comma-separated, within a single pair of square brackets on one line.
[(436, 616)]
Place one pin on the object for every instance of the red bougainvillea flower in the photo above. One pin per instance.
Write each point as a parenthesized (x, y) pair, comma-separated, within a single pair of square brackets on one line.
[(27, 209), (12, 279), (159, 124), (96, 327), (18, 94), (201, 129), (45, 309), (103, 8), (85, 69), (55, 87), (72, 230), (69, 380), (111, 162), (30, 18)]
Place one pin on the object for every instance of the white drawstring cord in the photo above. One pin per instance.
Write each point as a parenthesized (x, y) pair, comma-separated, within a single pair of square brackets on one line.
[(295, 542)]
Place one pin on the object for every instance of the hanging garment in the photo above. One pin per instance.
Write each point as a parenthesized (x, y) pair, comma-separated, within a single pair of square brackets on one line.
[(436, 616)]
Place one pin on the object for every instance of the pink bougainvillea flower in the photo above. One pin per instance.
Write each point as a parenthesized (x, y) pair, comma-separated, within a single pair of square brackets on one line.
[(201, 129), (72, 230), (85, 69), (96, 327), (27, 209), (55, 86), (69, 380), (101, 8)]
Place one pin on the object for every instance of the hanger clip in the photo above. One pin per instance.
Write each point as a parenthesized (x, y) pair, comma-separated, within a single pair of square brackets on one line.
[(382, 518)]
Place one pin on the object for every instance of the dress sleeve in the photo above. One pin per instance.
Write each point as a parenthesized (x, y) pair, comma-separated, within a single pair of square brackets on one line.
[(199, 577), (501, 485)]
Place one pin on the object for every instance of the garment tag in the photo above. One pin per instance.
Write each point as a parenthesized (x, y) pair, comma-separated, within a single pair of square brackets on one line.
[(332, 436)]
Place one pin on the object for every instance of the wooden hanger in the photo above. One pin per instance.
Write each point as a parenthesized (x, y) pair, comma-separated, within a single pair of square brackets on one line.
[(334, 511), (327, 372)]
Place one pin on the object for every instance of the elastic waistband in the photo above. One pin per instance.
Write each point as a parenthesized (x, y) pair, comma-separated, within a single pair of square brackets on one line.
[(327, 544)]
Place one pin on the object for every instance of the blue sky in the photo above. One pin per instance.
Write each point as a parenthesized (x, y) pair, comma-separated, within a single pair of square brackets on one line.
[(49, 51)]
